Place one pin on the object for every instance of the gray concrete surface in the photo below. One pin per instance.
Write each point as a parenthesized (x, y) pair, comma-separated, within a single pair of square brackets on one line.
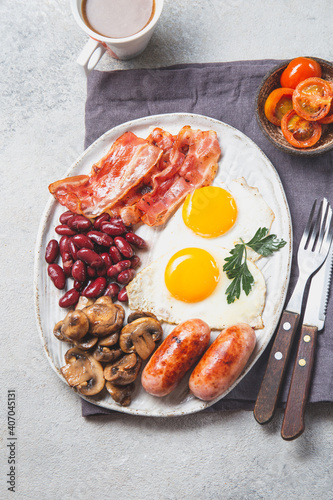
[(59, 454)]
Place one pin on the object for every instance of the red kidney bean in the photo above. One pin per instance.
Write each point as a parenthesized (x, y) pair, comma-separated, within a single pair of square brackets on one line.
[(91, 272), (63, 219), (79, 222), (115, 269), (124, 247), (114, 227), (70, 298), (126, 276), (107, 259), (78, 285), (101, 239), (67, 266), (90, 257), (135, 240), (112, 290), (72, 249), (101, 218), (57, 275), (102, 271), (51, 251), (135, 262), (82, 241), (122, 295), (64, 230), (63, 245), (79, 271), (115, 254), (95, 288)]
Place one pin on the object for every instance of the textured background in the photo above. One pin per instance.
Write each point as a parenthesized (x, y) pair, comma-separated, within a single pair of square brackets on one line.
[(60, 455)]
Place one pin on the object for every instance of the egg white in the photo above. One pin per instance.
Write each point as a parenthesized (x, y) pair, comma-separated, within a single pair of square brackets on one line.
[(253, 213), (148, 292)]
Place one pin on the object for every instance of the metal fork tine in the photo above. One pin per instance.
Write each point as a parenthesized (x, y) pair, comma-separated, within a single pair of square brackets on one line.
[(328, 236), (314, 234), (308, 227), (324, 225)]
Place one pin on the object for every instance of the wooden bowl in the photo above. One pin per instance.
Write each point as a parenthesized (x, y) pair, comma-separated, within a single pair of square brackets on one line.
[(272, 81)]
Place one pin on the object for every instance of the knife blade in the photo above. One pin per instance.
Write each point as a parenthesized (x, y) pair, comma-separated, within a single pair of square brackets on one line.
[(313, 321)]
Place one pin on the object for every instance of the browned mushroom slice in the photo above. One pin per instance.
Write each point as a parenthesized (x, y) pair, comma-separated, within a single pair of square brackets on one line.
[(106, 354), (83, 372), (110, 340), (105, 317), (57, 332), (123, 371), (88, 342), (139, 314), (75, 325), (84, 302), (140, 336), (120, 394)]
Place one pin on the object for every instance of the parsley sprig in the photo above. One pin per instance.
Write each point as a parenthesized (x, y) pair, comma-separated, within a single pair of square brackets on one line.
[(236, 267)]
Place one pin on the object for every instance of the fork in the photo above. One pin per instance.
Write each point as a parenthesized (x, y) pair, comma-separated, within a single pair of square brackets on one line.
[(312, 252)]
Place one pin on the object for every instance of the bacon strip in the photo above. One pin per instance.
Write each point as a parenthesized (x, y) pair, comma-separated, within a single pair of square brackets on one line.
[(192, 164), (128, 161)]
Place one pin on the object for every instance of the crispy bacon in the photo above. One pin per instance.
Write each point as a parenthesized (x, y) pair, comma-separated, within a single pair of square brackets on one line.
[(192, 164), (128, 161), (143, 180)]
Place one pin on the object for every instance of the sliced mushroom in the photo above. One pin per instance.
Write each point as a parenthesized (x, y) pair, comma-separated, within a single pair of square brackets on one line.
[(123, 371), (140, 336), (104, 317), (110, 340), (86, 343), (106, 354), (84, 302), (120, 394), (57, 332), (75, 325), (83, 372), (139, 314)]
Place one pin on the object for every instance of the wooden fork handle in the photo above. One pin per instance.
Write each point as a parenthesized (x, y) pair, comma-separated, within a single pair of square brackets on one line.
[(293, 422), (277, 362)]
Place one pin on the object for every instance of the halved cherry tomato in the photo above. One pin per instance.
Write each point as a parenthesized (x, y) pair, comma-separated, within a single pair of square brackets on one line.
[(312, 99), (299, 132), (329, 117), (299, 69), (277, 104)]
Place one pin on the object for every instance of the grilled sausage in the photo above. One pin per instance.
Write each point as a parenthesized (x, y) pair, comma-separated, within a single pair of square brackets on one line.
[(175, 356), (223, 362)]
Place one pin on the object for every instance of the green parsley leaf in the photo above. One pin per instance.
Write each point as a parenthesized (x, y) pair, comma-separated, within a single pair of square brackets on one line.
[(236, 267)]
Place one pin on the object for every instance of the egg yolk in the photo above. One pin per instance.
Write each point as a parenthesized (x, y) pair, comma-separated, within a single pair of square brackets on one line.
[(209, 211), (191, 275)]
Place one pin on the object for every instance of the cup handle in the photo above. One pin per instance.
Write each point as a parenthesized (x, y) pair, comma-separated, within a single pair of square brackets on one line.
[(90, 55)]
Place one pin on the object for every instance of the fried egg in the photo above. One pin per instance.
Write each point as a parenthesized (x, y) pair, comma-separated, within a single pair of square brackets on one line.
[(220, 215), (191, 283)]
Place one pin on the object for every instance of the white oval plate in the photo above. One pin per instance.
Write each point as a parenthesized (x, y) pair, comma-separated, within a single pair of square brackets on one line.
[(240, 157)]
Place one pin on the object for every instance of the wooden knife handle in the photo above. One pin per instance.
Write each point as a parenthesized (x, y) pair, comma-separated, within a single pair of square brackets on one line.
[(276, 367), (293, 422)]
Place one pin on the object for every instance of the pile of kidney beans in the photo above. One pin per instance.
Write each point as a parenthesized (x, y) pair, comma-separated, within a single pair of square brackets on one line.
[(99, 257)]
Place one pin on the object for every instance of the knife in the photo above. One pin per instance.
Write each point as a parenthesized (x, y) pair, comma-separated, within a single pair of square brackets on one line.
[(313, 321)]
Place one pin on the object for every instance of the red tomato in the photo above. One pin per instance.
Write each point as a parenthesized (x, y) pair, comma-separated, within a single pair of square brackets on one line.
[(312, 99), (277, 104), (299, 69), (299, 132)]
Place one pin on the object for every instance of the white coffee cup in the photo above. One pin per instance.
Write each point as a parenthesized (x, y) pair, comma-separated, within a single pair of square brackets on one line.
[(119, 48)]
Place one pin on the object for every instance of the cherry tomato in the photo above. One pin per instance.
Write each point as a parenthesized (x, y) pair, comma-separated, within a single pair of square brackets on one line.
[(329, 117), (299, 69), (299, 132), (277, 104), (312, 99)]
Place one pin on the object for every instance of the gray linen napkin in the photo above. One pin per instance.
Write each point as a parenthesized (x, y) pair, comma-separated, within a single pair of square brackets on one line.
[(224, 91)]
